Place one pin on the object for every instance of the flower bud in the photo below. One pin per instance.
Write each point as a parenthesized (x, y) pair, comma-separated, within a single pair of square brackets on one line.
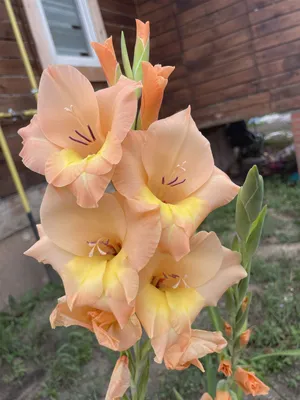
[(227, 329), (245, 337), (225, 367)]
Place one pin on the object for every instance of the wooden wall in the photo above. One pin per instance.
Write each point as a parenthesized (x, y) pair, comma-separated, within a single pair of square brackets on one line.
[(14, 85), (234, 59)]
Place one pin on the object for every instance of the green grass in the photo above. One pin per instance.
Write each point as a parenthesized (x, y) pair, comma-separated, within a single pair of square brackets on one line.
[(72, 366)]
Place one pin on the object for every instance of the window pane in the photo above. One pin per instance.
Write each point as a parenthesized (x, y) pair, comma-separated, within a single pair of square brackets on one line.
[(66, 28)]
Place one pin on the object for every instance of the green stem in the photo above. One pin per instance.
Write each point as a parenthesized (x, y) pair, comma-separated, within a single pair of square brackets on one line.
[(214, 316), (140, 370)]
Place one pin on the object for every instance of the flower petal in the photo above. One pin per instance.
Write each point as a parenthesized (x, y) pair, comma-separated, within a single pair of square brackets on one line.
[(63, 167), (218, 191), (89, 189), (63, 316), (230, 273), (36, 148), (117, 111), (66, 104), (155, 79), (107, 57), (120, 380), (143, 233), (71, 227), (188, 162), (114, 337), (129, 176)]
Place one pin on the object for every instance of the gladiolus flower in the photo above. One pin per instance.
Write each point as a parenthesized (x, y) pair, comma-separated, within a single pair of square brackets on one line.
[(227, 329), (220, 395), (225, 367), (120, 380), (200, 344), (155, 79), (250, 383), (97, 252), (171, 166), (108, 60), (76, 138), (102, 323), (245, 337), (172, 293)]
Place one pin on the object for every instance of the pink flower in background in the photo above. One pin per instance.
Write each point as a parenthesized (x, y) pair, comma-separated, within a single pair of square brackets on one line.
[(170, 166), (75, 139)]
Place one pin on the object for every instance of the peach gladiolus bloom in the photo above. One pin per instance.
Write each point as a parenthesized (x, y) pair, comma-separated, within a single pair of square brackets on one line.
[(220, 395), (250, 383), (97, 252), (170, 166), (225, 367), (75, 138), (200, 344), (142, 31), (102, 323), (108, 60), (155, 79), (172, 293), (120, 380)]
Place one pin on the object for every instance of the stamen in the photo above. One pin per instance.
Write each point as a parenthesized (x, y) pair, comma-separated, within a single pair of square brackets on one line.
[(91, 132), (173, 181), (163, 180), (69, 109), (82, 136), (78, 141), (178, 183)]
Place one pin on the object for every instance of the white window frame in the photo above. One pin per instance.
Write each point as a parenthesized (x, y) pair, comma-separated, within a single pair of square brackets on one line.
[(91, 19)]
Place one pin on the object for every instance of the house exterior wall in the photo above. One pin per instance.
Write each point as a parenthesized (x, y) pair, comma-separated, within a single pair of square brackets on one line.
[(234, 59)]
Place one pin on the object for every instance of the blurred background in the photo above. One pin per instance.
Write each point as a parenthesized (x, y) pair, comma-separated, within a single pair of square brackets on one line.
[(238, 65)]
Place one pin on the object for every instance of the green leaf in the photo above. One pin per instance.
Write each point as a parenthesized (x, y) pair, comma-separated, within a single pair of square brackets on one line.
[(141, 54), (255, 233), (216, 318), (242, 322), (145, 348), (233, 395), (211, 375), (235, 246), (223, 385), (125, 57), (284, 353), (249, 202), (252, 193), (177, 395), (242, 221), (143, 382)]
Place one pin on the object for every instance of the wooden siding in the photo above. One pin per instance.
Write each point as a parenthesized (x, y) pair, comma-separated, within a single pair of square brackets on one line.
[(14, 85), (236, 58)]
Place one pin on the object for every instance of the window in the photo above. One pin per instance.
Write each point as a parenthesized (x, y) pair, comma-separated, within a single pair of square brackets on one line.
[(63, 30)]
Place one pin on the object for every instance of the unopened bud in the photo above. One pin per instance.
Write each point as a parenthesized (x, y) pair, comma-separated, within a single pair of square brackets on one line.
[(245, 303), (225, 367), (227, 329), (245, 337)]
